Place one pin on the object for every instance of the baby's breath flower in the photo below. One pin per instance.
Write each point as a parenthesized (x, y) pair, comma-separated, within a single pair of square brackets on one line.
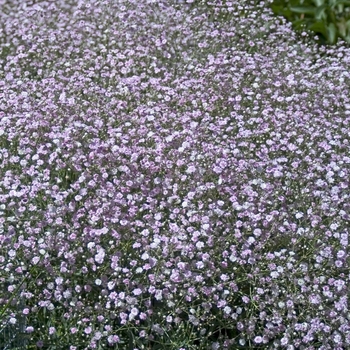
[(179, 175)]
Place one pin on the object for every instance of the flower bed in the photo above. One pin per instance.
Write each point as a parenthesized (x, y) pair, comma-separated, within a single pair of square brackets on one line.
[(170, 180)]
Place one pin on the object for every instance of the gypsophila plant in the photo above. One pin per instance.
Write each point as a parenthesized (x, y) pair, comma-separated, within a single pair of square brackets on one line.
[(171, 178)]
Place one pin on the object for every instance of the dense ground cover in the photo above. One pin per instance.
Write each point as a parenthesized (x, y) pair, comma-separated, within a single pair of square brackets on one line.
[(171, 181)]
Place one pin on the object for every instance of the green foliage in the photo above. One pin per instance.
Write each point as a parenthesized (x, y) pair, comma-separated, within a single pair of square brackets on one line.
[(328, 19)]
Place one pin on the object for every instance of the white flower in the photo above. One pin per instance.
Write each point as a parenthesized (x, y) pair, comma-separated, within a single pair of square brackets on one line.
[(11, 253), (134, 311), (199, 245), (227, 310), (62, 97), (110, 285), (191, 169), (99, 257), (35, 260), (91, 245), (274, 274)]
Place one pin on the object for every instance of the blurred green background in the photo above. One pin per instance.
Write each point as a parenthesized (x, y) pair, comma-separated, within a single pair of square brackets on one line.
[(328, 20)]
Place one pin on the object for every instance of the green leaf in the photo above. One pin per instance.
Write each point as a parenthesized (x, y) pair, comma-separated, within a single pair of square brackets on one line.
[(319, 27), (282, 11), (332, 33), (340, 4), (342, 27), (340, 8), (320, 13), (319, 3), (301, 9)]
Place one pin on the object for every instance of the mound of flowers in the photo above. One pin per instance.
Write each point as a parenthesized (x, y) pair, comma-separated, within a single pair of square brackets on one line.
[(171, 177)]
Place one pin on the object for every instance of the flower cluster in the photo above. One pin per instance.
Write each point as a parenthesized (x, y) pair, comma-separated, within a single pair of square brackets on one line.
[(172, 174)]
